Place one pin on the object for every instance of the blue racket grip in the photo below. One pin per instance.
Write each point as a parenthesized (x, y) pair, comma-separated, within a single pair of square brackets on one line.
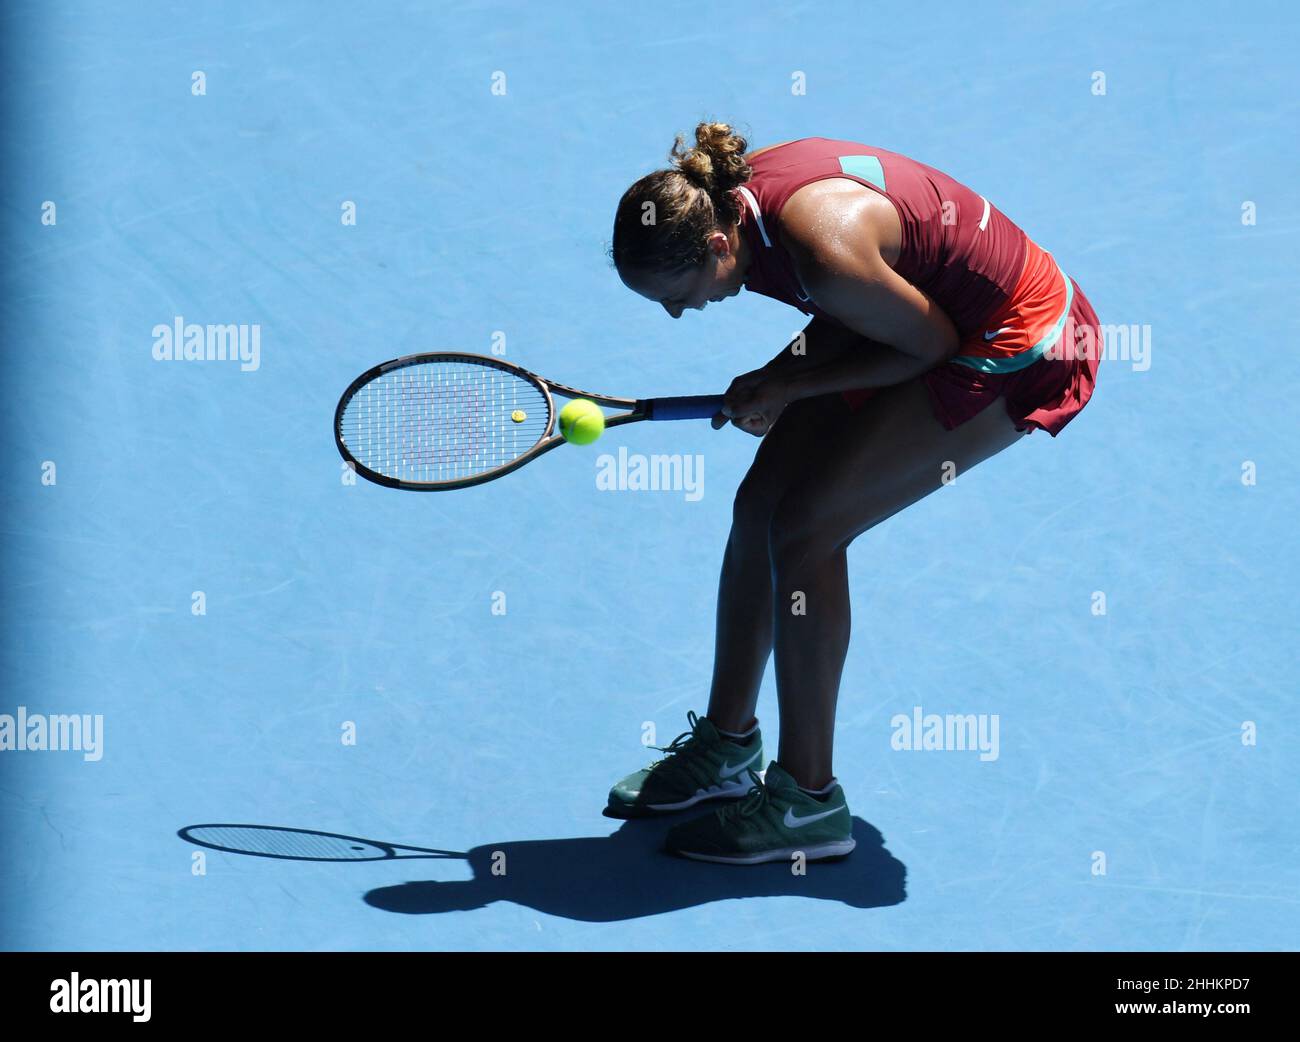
[(696, 407)]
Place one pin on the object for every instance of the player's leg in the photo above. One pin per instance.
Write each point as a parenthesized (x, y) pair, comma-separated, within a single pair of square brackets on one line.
[(887, 456), (703, 764), (890, 454), (743, 640)]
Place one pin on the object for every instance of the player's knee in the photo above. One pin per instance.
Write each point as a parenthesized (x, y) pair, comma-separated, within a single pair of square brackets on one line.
[(792, 535), (751, 511), (803, 531)]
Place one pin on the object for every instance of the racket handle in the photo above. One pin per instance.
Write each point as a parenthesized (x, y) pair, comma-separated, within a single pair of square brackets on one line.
[(696, 407)]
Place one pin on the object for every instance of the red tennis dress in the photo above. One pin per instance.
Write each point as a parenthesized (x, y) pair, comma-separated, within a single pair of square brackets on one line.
[(1028, 334)]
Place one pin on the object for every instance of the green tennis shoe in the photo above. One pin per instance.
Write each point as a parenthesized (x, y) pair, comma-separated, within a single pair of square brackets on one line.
[(776, 821), (701, 765)]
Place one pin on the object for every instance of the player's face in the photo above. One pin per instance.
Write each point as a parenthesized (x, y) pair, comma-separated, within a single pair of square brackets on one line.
[(716, 279)]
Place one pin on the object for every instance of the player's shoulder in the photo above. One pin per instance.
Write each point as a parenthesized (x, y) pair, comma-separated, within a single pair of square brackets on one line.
[(751, 156), (832, 220)]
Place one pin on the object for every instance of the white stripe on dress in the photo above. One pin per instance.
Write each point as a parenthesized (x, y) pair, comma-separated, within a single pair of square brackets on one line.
[(758, 214)]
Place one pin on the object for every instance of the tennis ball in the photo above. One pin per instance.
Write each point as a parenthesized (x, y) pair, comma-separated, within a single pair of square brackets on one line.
[(582, 422)]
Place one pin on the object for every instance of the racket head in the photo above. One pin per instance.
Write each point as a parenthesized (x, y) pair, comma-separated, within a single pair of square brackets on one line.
[(443, 420), (288, 844)]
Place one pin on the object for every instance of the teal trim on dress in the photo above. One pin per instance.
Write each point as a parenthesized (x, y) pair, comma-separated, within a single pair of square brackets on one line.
[(866, 167), (1026, 358)]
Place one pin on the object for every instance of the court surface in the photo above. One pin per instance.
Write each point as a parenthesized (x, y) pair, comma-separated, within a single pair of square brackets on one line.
[(199, 574)]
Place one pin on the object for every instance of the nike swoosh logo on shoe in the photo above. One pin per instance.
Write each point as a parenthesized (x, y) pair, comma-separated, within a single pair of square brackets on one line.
[(994, 334), (792, 822), (728, 771)]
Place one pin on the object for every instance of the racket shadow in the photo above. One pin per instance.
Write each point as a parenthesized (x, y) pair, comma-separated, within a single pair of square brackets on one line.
[(291, 844), (626, 875)]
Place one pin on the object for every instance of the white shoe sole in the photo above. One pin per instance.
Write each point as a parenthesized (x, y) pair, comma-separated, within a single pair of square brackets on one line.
[(715, 792), (817, 852)]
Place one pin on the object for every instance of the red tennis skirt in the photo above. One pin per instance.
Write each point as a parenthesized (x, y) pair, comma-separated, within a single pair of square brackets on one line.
[(1045, 395)]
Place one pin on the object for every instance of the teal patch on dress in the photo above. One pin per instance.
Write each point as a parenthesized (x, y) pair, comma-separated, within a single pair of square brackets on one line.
[(866, 167)]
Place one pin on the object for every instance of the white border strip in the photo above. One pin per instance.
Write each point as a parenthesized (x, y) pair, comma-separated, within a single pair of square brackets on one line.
[(758, 214)]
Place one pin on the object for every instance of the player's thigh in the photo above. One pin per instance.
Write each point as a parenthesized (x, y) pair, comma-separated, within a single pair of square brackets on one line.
[(802, 432), (886, 456)]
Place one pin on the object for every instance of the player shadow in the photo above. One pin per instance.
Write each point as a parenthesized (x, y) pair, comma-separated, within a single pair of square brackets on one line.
[(627, 875)]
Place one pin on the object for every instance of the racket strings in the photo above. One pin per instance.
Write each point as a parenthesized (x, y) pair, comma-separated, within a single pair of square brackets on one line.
[(441, 421)]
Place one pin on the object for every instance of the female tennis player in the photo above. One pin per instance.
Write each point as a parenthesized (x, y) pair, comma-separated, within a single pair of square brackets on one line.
[(940, 335)]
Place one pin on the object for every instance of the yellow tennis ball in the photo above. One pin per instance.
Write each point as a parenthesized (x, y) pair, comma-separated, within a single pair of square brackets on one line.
[(582, 422)]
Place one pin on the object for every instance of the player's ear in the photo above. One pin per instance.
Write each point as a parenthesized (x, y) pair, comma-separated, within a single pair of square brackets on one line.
[(719, 245)]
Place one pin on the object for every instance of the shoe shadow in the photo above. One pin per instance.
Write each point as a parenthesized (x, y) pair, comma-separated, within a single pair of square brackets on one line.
[(626, 875)]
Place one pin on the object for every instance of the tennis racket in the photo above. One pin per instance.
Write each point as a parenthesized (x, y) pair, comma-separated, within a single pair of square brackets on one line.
[(440, 421)]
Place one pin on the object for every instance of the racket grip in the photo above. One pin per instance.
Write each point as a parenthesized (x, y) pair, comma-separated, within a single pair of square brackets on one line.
[(695, 407)]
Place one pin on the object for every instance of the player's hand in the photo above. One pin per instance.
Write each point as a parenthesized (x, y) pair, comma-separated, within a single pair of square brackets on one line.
[(753, 402)]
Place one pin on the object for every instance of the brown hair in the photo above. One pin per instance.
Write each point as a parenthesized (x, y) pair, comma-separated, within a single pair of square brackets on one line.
[(664, 219)]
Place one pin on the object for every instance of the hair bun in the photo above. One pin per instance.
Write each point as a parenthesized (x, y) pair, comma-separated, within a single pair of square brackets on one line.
[(696, 166), (717, 161)]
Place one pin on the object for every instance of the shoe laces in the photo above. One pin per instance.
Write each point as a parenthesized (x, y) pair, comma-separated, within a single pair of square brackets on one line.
[(756, 799), (681, 743)]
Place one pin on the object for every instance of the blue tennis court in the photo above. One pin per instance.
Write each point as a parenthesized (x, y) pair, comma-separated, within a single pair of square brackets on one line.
[(248, 635)]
